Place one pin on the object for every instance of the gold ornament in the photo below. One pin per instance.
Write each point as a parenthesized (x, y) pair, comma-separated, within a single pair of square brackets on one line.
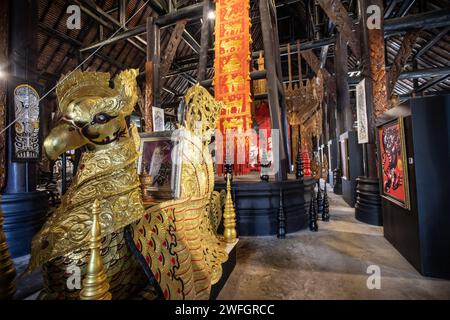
[(93, 115), (7, 270), (177, 238), (229, 216), (324, 167), (188, 226), (95, 284), (315, 168)]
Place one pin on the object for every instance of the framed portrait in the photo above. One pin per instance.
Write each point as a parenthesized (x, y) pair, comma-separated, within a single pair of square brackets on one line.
[(393, 163), (361, 112), (26, 132), (158, 166), (158, 119), (344, 159)]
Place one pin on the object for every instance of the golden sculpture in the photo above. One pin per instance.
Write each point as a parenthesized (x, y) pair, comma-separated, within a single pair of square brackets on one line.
[(304, 103), (260, 86), (177, 239), (324, 167), (7, 270), (316, 168), (95, 284), (229, 216), (188, 226), (93, 115)]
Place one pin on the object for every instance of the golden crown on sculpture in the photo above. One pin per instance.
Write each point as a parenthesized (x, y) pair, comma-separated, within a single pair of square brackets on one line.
[(80, 85)]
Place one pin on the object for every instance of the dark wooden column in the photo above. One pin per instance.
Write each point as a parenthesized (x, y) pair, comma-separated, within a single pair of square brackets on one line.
[(368, 204), (343, 94), (151, 72), (4, 12), (204, 45), (23, 207), (149, 78), (283, 105), (156, 60), (272, 83), (21, 176), (373, 51)]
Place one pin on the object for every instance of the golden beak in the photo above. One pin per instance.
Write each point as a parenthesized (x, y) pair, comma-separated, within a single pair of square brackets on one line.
[(62, 138)]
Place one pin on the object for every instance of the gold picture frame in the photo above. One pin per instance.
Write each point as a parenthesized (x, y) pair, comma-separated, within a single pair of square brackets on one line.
[(393, 165), (158, 165)]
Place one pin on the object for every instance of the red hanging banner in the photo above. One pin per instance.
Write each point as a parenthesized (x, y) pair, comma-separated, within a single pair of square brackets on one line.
[(232, 72)]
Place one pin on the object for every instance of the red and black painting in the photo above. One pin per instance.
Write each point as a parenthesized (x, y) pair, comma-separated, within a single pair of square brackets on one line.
[(393, 168)]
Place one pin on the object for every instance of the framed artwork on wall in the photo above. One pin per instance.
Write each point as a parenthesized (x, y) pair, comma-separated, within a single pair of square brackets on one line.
[(157, 165), (344, 159), (361, 112), (393, 162), (158, 119)]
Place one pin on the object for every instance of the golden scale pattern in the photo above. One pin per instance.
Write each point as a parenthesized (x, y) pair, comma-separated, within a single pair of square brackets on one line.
[(185, 250)]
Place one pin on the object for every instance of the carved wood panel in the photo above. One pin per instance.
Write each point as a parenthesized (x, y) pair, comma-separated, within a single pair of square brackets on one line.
[(378, 71)]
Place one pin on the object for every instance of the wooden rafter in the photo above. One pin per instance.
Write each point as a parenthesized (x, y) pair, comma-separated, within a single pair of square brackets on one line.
[(337, 13), (314, 62), (401, 58), (171, 49)]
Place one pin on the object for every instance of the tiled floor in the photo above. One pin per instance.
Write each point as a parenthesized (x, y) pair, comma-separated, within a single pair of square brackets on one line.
[(329, 264)]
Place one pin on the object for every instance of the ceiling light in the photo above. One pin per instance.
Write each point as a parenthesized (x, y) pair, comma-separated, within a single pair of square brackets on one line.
[(211, 15)]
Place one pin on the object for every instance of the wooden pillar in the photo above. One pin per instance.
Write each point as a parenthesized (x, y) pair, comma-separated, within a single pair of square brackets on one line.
[(343, 95), (21, 176), (156, 54), (4, 12), (23, 207), (283, 104), (151, 72), (373, 52), (272, 84), (204, 45)]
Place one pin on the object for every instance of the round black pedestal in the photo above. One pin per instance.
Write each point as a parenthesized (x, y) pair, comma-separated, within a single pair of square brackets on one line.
[(24, 215), (368, 201), (337, 189), (257, 205), (337, 181)]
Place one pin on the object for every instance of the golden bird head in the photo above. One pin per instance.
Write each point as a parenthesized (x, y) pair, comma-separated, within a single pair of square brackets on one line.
[(93, 112)]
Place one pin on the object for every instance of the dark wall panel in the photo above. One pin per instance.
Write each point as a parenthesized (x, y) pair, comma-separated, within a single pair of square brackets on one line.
[(432, 160)]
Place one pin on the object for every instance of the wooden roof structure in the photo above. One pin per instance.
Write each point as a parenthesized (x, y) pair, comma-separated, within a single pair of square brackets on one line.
[(62, 49)]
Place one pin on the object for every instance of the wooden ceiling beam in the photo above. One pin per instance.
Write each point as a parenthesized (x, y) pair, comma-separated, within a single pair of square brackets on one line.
[(401, 58), (337, 13)]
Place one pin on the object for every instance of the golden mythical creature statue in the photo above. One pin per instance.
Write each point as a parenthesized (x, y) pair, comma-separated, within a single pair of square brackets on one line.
[(171, 249)]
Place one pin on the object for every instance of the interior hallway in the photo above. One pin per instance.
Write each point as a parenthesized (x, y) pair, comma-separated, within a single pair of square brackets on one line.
[(329, 264)]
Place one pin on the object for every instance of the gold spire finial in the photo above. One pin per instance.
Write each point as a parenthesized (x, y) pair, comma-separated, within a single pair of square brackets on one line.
[(7, 271), (95, 284), (229, 216)]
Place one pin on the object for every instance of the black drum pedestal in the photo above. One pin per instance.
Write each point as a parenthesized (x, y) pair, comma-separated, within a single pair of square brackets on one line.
[(24, 215), (368, 201), (257, 205)]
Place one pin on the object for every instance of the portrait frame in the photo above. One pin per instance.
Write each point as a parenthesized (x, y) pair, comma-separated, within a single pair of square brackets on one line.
[(36, 89), (343, 145), (361, 112), (403, 201), (167, 187)]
